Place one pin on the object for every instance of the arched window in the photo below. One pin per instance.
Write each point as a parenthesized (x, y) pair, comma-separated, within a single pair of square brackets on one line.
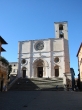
[(24, 72), (61, 34), (60, 27), (56, 68)]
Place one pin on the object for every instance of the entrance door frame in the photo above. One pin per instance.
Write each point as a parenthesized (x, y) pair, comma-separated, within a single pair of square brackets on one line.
[(24, 72), (40, 75), (44, 65), (55, 69)]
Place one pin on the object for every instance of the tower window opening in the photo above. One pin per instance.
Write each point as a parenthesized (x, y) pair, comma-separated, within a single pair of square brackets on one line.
[(60, 27), (61, 36)]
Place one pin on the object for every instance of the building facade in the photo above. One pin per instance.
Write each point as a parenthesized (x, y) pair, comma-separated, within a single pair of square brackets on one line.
[(45, 58), (79, 55), (3, 66), (14, 68)]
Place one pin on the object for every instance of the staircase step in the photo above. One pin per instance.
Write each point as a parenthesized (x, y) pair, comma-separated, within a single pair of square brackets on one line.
[(37, 84)]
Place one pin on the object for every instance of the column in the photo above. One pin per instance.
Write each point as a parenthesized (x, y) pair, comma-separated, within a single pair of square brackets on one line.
[(51, 56), (19, 60), (31, 59)]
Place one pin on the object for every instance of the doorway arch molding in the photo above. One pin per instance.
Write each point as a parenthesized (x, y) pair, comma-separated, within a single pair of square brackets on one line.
[(24, 68), (45, 63), (40, 63)]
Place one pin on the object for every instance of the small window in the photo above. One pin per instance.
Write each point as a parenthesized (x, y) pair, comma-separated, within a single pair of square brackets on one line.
[(14, 70), (23, 61), (56, 60)]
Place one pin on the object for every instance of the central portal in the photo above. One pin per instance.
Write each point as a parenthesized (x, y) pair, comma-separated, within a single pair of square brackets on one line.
[(40, 72), (24, 73)]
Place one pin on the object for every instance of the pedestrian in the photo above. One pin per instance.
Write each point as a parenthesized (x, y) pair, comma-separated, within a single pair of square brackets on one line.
[(57, 87)]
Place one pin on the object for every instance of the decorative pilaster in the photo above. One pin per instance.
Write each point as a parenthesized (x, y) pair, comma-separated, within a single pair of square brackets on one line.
[(19, 60), (31, 60), (51, 57)]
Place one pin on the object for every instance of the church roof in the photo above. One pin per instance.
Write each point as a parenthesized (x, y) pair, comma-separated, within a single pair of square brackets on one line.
[(61, 22), (79, 49), (40, 39), (13, 62), (3, 41)]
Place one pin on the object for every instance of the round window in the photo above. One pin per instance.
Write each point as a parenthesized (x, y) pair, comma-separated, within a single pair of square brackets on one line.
[(56, 60), (23, 61), (39, 45)]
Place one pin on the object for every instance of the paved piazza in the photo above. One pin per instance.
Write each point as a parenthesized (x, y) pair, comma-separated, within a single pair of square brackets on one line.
[(40, 100)]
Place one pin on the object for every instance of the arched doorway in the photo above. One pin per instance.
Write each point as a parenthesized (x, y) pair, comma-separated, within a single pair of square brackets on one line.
[(40, 68), (24, 72), (56, 69)]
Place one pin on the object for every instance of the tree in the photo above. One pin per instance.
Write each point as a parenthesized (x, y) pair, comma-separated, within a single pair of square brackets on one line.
[(5, 61), (9, 70)]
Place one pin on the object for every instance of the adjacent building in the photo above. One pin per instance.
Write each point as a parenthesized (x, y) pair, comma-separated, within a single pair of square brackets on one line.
[(79, 56), (73, 77), (14, 68)]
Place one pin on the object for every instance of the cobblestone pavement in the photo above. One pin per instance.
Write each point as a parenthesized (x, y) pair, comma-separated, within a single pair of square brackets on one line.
[(40, 100)]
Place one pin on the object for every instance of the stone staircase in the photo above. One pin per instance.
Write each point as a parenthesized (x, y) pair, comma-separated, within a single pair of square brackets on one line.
[(26, 84)]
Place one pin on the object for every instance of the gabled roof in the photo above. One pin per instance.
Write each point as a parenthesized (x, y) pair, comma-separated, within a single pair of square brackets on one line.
[(79, 49), (3, 41)]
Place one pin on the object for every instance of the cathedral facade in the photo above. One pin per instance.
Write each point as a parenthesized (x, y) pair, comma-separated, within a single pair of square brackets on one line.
[(45, 58)]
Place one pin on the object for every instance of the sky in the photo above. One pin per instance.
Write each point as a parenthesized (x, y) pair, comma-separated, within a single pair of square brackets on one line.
[(34, 19)]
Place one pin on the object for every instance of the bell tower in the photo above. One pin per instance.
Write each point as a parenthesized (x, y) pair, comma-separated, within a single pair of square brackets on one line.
[(61, 32)]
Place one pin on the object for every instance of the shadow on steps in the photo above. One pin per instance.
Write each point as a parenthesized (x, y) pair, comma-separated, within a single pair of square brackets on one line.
[(32, 84)]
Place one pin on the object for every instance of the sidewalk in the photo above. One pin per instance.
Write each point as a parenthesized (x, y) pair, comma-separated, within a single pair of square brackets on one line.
[(40, 100)]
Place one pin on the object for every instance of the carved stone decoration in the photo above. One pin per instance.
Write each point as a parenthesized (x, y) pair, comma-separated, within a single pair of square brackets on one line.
[(40, 64)]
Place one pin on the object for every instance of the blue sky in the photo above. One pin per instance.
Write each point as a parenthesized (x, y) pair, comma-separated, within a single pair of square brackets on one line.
[(34, 19)]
